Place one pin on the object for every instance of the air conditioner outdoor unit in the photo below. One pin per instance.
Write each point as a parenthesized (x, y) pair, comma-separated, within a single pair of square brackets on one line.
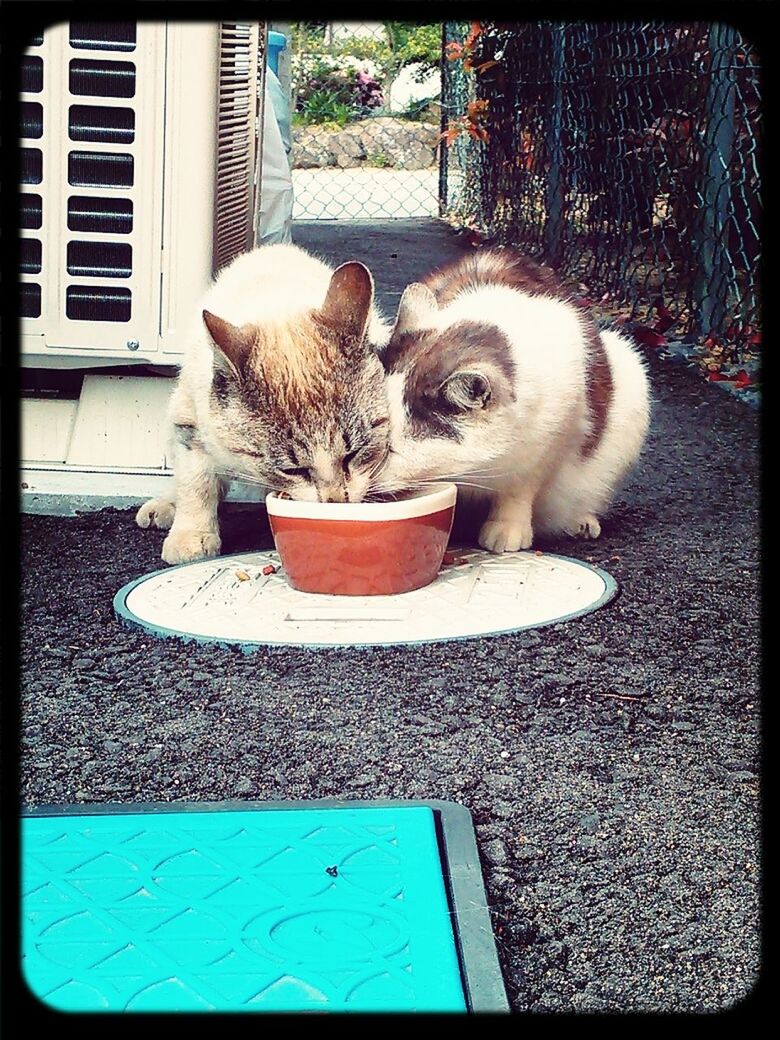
[(139, 148)]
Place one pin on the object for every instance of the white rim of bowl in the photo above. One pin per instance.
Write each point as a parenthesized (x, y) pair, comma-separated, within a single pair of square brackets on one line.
[(431, 498)]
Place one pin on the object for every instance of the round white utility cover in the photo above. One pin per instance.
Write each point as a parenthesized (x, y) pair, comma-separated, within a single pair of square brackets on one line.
[(229, 600)]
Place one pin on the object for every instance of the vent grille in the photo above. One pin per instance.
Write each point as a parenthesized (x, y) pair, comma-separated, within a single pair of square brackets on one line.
[(103, 36), (100, 259), (32, 119), (32, 165), (31, 204), (32, 75), (30, 300), (97, 303), (236, 141), (106, 216), (30, 258), (100, 170), (31, 211), (101, 123), (102, 78)]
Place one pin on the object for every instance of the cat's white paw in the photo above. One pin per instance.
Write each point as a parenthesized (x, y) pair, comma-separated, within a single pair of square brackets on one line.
[(157, 512), (587, 526), (499, 536), (186, 545)]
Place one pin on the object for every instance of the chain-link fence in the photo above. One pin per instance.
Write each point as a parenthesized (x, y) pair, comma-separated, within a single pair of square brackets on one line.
[(366, 119), (624, 154)]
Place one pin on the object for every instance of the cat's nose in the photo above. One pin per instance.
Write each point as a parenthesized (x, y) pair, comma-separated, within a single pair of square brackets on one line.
[(334, 493)]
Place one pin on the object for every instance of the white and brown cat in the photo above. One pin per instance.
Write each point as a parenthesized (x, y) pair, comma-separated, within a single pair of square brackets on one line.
[(281, 386), (498, 378)]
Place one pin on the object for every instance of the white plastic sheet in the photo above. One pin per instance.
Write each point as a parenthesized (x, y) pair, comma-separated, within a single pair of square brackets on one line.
[(274, 216)]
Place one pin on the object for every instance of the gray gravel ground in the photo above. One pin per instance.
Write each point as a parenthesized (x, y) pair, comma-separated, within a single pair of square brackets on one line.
[(620, 838)]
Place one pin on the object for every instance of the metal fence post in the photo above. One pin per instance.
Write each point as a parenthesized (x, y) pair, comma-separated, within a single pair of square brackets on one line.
[(715, 270), (554, 193), (443, 122)]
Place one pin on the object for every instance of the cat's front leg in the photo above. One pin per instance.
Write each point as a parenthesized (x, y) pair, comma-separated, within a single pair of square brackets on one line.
[(508, 526), (156, 512), (194, 534)]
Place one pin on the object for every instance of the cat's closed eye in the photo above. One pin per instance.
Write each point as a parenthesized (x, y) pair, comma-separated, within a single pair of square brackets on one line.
[(364, 456), (296, 471)]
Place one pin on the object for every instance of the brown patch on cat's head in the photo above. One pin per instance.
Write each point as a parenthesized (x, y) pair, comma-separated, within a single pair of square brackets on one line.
[(293, 366), (504, 266), (452, 375)]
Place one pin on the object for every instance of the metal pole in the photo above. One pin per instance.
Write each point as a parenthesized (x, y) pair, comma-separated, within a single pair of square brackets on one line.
[(554, 194), (443, 123), (711, 289)]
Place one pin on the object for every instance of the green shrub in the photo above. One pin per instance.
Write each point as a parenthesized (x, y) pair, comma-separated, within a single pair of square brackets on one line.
[(324, 106), (319, 69)]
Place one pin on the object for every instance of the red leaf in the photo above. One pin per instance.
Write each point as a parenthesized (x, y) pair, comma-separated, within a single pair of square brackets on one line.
[(717, 377), (476, 32), (742, 379), (665, 317), (448, 136), (647, 336)]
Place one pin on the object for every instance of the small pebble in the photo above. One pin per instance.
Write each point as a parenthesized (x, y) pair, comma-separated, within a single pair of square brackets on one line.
[(590, 823)]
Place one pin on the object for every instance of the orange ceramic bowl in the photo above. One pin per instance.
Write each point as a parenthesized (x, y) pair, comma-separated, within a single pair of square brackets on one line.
[(363, 548)]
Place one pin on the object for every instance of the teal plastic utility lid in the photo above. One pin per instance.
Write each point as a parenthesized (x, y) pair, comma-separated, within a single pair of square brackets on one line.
[(347, 907)]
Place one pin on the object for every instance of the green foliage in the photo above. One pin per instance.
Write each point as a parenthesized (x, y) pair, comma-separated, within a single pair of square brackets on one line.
[(325, 76), (324, 106), (416, 42), (378, 159)]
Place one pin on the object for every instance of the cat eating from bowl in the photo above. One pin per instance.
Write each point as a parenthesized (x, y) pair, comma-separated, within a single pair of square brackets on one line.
[(281, 386), (499, 381)]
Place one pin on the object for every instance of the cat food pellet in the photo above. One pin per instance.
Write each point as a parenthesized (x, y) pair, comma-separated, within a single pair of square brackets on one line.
[(269, 569), (242, 575), (451, 559)]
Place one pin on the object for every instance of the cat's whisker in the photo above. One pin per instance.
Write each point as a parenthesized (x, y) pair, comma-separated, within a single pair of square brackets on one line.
[(248, 478)]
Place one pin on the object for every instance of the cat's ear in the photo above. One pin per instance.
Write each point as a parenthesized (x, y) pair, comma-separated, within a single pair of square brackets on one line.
[(415, 308), (467, 390), (348, 300), (234, 344)]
